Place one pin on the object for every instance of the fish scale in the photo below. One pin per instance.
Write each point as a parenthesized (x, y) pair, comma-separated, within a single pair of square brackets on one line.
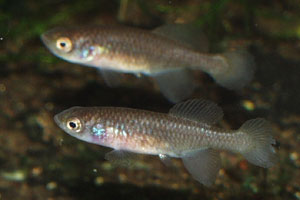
[(186, 132), (163, 128), (135, 54), (167, 55)]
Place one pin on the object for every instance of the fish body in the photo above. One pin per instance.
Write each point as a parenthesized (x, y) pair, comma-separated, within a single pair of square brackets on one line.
[(149, 132), (163, 54), (186, 132), (122, 49)]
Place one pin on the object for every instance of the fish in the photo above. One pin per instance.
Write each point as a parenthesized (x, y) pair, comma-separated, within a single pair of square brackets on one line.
[(187, 132), (169, 54)]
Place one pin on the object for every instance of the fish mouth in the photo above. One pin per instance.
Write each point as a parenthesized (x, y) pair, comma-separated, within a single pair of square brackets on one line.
[(44, 39), (57, 120)]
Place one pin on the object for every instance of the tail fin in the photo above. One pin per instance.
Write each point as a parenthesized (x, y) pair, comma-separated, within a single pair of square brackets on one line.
[(260, 151), (240, 71)]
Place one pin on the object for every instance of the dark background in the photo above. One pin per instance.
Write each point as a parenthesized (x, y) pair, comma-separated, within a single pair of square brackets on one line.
[(40, 161)]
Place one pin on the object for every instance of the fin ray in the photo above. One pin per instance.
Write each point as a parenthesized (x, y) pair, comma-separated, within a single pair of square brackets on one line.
[(188, 34), (198, 110), (120, 157), (241, 67), (166, 160), (111, 78), (203, 165), (176, 85), (261, 152)]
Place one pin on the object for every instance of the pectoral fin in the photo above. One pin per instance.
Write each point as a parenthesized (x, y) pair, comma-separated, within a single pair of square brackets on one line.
[(176, 85), (119, 157), (166, 160), (203, 165)]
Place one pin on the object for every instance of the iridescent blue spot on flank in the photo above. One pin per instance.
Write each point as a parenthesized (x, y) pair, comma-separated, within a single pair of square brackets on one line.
[(98, 130), (84, 53), (87, 52)]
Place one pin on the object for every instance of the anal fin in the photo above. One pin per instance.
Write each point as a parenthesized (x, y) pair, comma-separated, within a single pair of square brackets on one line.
[(203, 165), (176, 85)]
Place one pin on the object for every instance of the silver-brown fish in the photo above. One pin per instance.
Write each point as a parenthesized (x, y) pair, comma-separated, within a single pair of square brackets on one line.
[(168, 54), (186, 132)]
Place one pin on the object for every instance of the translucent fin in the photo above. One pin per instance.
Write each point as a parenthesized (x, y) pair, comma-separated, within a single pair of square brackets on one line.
[(188, 34), (119, 157), (111, 78), (203, 165), (240, 70), (260, 151), (176, 85), (198, 110), (166, 160)]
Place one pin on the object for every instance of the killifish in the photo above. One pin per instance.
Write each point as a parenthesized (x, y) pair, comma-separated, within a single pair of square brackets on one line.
[(187, 132), (168, 54)]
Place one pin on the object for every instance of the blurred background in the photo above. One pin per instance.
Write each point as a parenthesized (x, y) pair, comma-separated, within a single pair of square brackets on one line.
[(39, 161)]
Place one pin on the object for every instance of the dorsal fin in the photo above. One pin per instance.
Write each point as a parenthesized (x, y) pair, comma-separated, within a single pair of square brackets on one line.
[(198, 110), (188, 34)]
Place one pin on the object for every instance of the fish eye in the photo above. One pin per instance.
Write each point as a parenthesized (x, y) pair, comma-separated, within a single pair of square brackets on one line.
[(74, 124), (64, 44)]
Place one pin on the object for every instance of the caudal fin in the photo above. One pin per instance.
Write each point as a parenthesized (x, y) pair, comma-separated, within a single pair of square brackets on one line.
[(239, 72), (260, 151)]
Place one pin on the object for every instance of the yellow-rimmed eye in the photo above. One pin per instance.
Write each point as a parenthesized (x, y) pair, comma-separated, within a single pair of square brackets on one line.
[(74, 124), (64, 44)]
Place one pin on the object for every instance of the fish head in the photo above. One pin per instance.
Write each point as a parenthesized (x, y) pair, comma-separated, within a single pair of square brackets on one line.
[(71, 44), (75, 122)]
